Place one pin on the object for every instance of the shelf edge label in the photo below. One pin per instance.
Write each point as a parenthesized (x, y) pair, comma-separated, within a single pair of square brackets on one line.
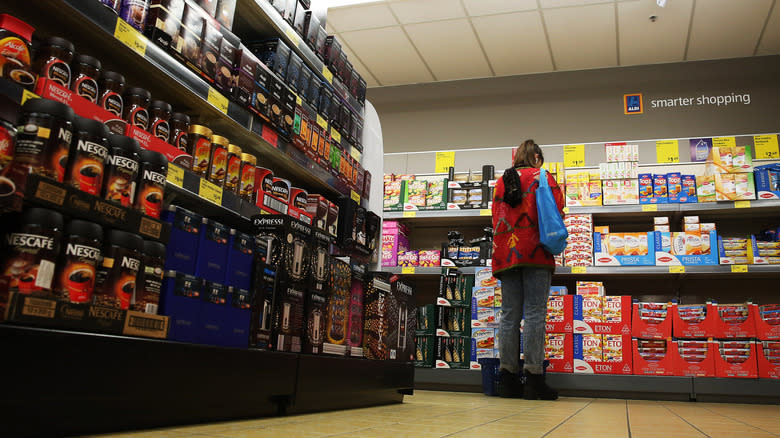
[(766, 147), (676, 269), (579, 270), (175, 175), (407, 270), (410, 214), (574, 155), (210, 191), (130, 37), (355, 197), (27, 95), (218, 100), (741, 204), (322, 122), (335, 135), (486, 212), (650, 207), (739, 268), (328, 75)]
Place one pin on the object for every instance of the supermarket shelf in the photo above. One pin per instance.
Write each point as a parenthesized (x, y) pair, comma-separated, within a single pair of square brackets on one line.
[(172, 383), (171, 81), (615, 270), (736, 390), (433, 270), (442, 218)]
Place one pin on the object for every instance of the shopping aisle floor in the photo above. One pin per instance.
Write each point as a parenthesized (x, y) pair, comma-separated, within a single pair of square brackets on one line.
[(451, 414)]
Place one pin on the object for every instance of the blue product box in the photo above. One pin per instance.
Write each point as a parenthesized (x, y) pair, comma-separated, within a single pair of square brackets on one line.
[(182, 248), (214, 314), (239, 314), (603, 258), (646, 188), (240, 256), (663, 256), (212, 252), (660, 189), (688, 194), (558, 291), (180, 300), (675, 187), (768, 181)]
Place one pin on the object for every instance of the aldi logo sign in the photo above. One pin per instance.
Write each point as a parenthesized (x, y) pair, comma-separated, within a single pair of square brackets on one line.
[(632, 103)]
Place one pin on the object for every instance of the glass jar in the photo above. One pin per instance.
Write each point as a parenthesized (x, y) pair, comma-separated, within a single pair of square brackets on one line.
[(180, 126), (199, 142), (218, 160), (15, 39), (88, 155), (86, 70), (112, 85), (53, 60), (43, 140), (77, 266), (117, 275), (160, 113), (233, 176), (151, 183), (246, 188), (136, 110)]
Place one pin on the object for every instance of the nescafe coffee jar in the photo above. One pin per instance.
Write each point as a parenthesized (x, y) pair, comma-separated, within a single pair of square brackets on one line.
[(246, 188), (15, 37), (86, 70), (43, 139), (28, 265), (159, 114), (218, 160), (180, 126), (9, 118), (136, 111), (150, 278), (112, 85), (151, 183), (199, 140), (121, 171), (53, 59), (233, 176), (88, 155), (79, 260), (117, 275)]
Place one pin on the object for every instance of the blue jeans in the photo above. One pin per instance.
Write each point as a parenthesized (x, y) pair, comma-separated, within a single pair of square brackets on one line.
[(524, 291)]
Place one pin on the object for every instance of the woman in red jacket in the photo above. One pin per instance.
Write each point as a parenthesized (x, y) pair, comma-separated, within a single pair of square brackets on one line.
[(525, 270)]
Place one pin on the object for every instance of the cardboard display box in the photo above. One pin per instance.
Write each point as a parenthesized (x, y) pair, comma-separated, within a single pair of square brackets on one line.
[(643, 329), (667, 366), (611, 354)]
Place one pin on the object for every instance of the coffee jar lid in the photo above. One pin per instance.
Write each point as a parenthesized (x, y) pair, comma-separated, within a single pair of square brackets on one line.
[(153, 157), (126, 143), (87, 60), (93, 128), (138, 91), (113, 76), (160, 105), (249, 158), (200, 130), (220, 140), (233, 149), (60, 42), (43, 217), (46, 106), (181, 117), (154, 249), (89, 230), (125, 240)]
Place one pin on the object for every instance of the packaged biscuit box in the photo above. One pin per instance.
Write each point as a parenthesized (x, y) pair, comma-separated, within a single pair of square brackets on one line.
[(436, 195), (395, 195), (554, 346), (592, 309), (592, 348), (429, 258)]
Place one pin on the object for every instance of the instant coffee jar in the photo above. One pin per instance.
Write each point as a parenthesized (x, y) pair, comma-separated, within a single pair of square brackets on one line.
[(53, 60), (199, 142), (218, 160), (180, 126), (88, 155), (159, 114), (79, 260), (246, 189), (233, 176), (150, 279), (117, 275), (43, 139), (112, 85), (29, 261), (151, 183), (121, 171), (9, 119), (136, 112), (86, 70), (15, 39)]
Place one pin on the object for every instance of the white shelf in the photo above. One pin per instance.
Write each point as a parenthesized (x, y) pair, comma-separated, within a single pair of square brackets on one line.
[(610, 270)]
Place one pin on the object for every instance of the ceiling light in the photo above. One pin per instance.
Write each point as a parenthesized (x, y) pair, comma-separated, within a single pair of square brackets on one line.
[(661, 3)]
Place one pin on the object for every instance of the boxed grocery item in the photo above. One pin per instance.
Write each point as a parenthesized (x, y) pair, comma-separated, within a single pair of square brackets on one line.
[(560, 313), (240, 257), (767, 179), (583, 189), (768, 322), (735, 250), (646, 189), (408, 258), (182, 248), (436, 195), (214, 315), (590, 288), (211, 263), (293, 241), (483, 297), (485, 317), (688, 194), (559, 352), (289, 317), (416, 195), (427, 316), (695, 358), (660, 189), (621, 192), (728, 159), (624, 249), (425, 347), (453, 352), (402, 320), (763, 252), (651, 320), (768, 356), (734, 186), (396, 195), (180, 299), (454, 289), (705, 188), (654, 357), (691, 248), (558, 291), (485, 338), (736, 359), (735, 320), (614, 318), (693, 320), (429, 258), (453, 321), (602, 354), (393, 242)]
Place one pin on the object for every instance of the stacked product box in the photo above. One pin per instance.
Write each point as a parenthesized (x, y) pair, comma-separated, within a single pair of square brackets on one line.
[(669, 188), (728, 176), (395, 195), (765, 248), (768, 354), (559, 338), (472, 194), (767, 181), (735, 321), (453, 319), (735, 250), (654, 357), (736, 358), (394, 240), (338, 306), (485, 311), (694, 245), (695, 321), (623, 249), (602, 354), (390, 319), (425, 336), (579, 246), (619, 174), (583, 189), (651, 320), (695, 357), (768, 322)]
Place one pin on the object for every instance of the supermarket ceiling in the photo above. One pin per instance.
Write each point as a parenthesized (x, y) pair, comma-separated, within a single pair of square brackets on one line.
[(396, 42)]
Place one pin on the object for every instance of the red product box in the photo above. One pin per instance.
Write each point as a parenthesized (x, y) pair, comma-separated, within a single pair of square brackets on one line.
[(559, 352), (745, 370), (764, 330), (612, 324), (691, 367), (606, 366), (766, 369), (664, 367), (560, 314), (82, 107), (642, 329), (685, 329), (152, 143), (745, 329)]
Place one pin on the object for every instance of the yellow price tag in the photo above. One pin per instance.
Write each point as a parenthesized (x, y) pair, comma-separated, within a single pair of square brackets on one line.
[(292, 36), (355, 153), (741, 204), (328, 75), (649, 207), (739, 268), (410, 214), (566, 210), (218, 100), (766, 147), (720, 142), (335, 135), (578, 269), (485, 212), (322, 122), (676, 269), (444, 160), (407, 270), (27, 95), (355, 197), (574, 155), (298, 100), (210, 191), (667, 151), (175, 175), (130, 37)]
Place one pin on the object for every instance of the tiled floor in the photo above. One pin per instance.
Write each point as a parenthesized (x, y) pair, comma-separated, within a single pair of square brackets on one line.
[(449, 414)]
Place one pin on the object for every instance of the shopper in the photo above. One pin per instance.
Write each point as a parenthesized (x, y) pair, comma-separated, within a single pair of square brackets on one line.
[(525, 270)]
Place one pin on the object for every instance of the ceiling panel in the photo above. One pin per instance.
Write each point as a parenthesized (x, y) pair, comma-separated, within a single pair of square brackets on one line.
[(726, 28), (582, 37), (488, 7), (430, 38), (359, 17), (416, 11), (356, 64), (388, 53), (567, 3), (770, 41), (645, 42), (514, 43)]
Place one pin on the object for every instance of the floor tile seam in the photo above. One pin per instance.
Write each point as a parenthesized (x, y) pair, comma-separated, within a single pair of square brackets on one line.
[(568, 418), (739, 421), (683, 419), (493, 421), (628, 420)]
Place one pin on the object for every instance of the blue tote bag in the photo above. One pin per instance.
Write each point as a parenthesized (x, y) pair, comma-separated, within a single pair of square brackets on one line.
[(552, 231)]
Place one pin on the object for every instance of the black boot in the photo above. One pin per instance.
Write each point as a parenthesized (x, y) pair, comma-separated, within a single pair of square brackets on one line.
[(510, 385), (537, 389)]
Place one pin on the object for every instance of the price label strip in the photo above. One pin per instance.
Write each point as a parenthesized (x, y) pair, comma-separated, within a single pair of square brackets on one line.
[(327, 74), (574, 155), (322, 122), (355, 197), (444, 160), (210, 191), (218, 100), (720, 142), (407, 270), (676, 269), (667, 151), (486, 212), (130, 37), (410, 214), (335, 135), (739, 268), (766, 147), (650, 207), (175, 175), (579, 269)]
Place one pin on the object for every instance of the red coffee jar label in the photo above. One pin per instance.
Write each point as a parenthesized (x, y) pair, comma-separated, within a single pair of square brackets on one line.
[(87, 88), (218, 164), (116, 279), (76, 281), (88, 165), (161, 129), (150, 193), (120, 181), (57, 71), (201, 156), (233, 171), (112, 102), (247, 180), (29, 266)]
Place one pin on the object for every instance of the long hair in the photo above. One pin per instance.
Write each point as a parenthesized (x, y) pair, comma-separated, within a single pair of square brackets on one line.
[(525, 156)]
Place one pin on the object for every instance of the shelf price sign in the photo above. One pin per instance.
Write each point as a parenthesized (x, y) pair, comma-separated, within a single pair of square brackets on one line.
[(355, 197), (210, 191), (667, 151), (294, 38), (444, 160), (574, 155), (327, 74), (130, 37), (218, 100), (720, 142), (766, 147), (407, 270), (175, 175)]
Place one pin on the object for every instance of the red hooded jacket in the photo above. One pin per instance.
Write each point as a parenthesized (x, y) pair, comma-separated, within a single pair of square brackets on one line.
[(515, 230)]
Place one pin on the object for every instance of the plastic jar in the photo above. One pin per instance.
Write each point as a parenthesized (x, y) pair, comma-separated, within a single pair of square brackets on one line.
[(218, 160), (15, 38), (43, 139), (246, 189), (136, 112), (88, 155), (180, 126), (112, 85), (199, 142), (117, 275), (150, 279), (122, 170), (233, 175), (53, 59), (159, 114), (151, 182), (86, 70), (78, 265)]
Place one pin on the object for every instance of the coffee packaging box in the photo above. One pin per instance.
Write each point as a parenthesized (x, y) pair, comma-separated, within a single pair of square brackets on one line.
[(212, 252)]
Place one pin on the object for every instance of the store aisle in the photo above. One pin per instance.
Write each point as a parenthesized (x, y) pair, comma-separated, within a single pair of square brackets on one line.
[(449, 414)]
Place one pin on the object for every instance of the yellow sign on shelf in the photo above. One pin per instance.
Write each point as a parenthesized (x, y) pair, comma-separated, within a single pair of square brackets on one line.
[(410, 214), (175, 175), (218, 100), (739, 268), (407, 270), (298, 100), (677, 269), (566, 210), (293, 37), (720, 142), (649, 207), (741, 204), (579, 269), (210, 191), (356, 154), (766, 147), (667, 151), (444, 160), (322, 122), (574, 155), (335, 135), (355, 197), (130, 37), (486, 212), (328, 75)]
